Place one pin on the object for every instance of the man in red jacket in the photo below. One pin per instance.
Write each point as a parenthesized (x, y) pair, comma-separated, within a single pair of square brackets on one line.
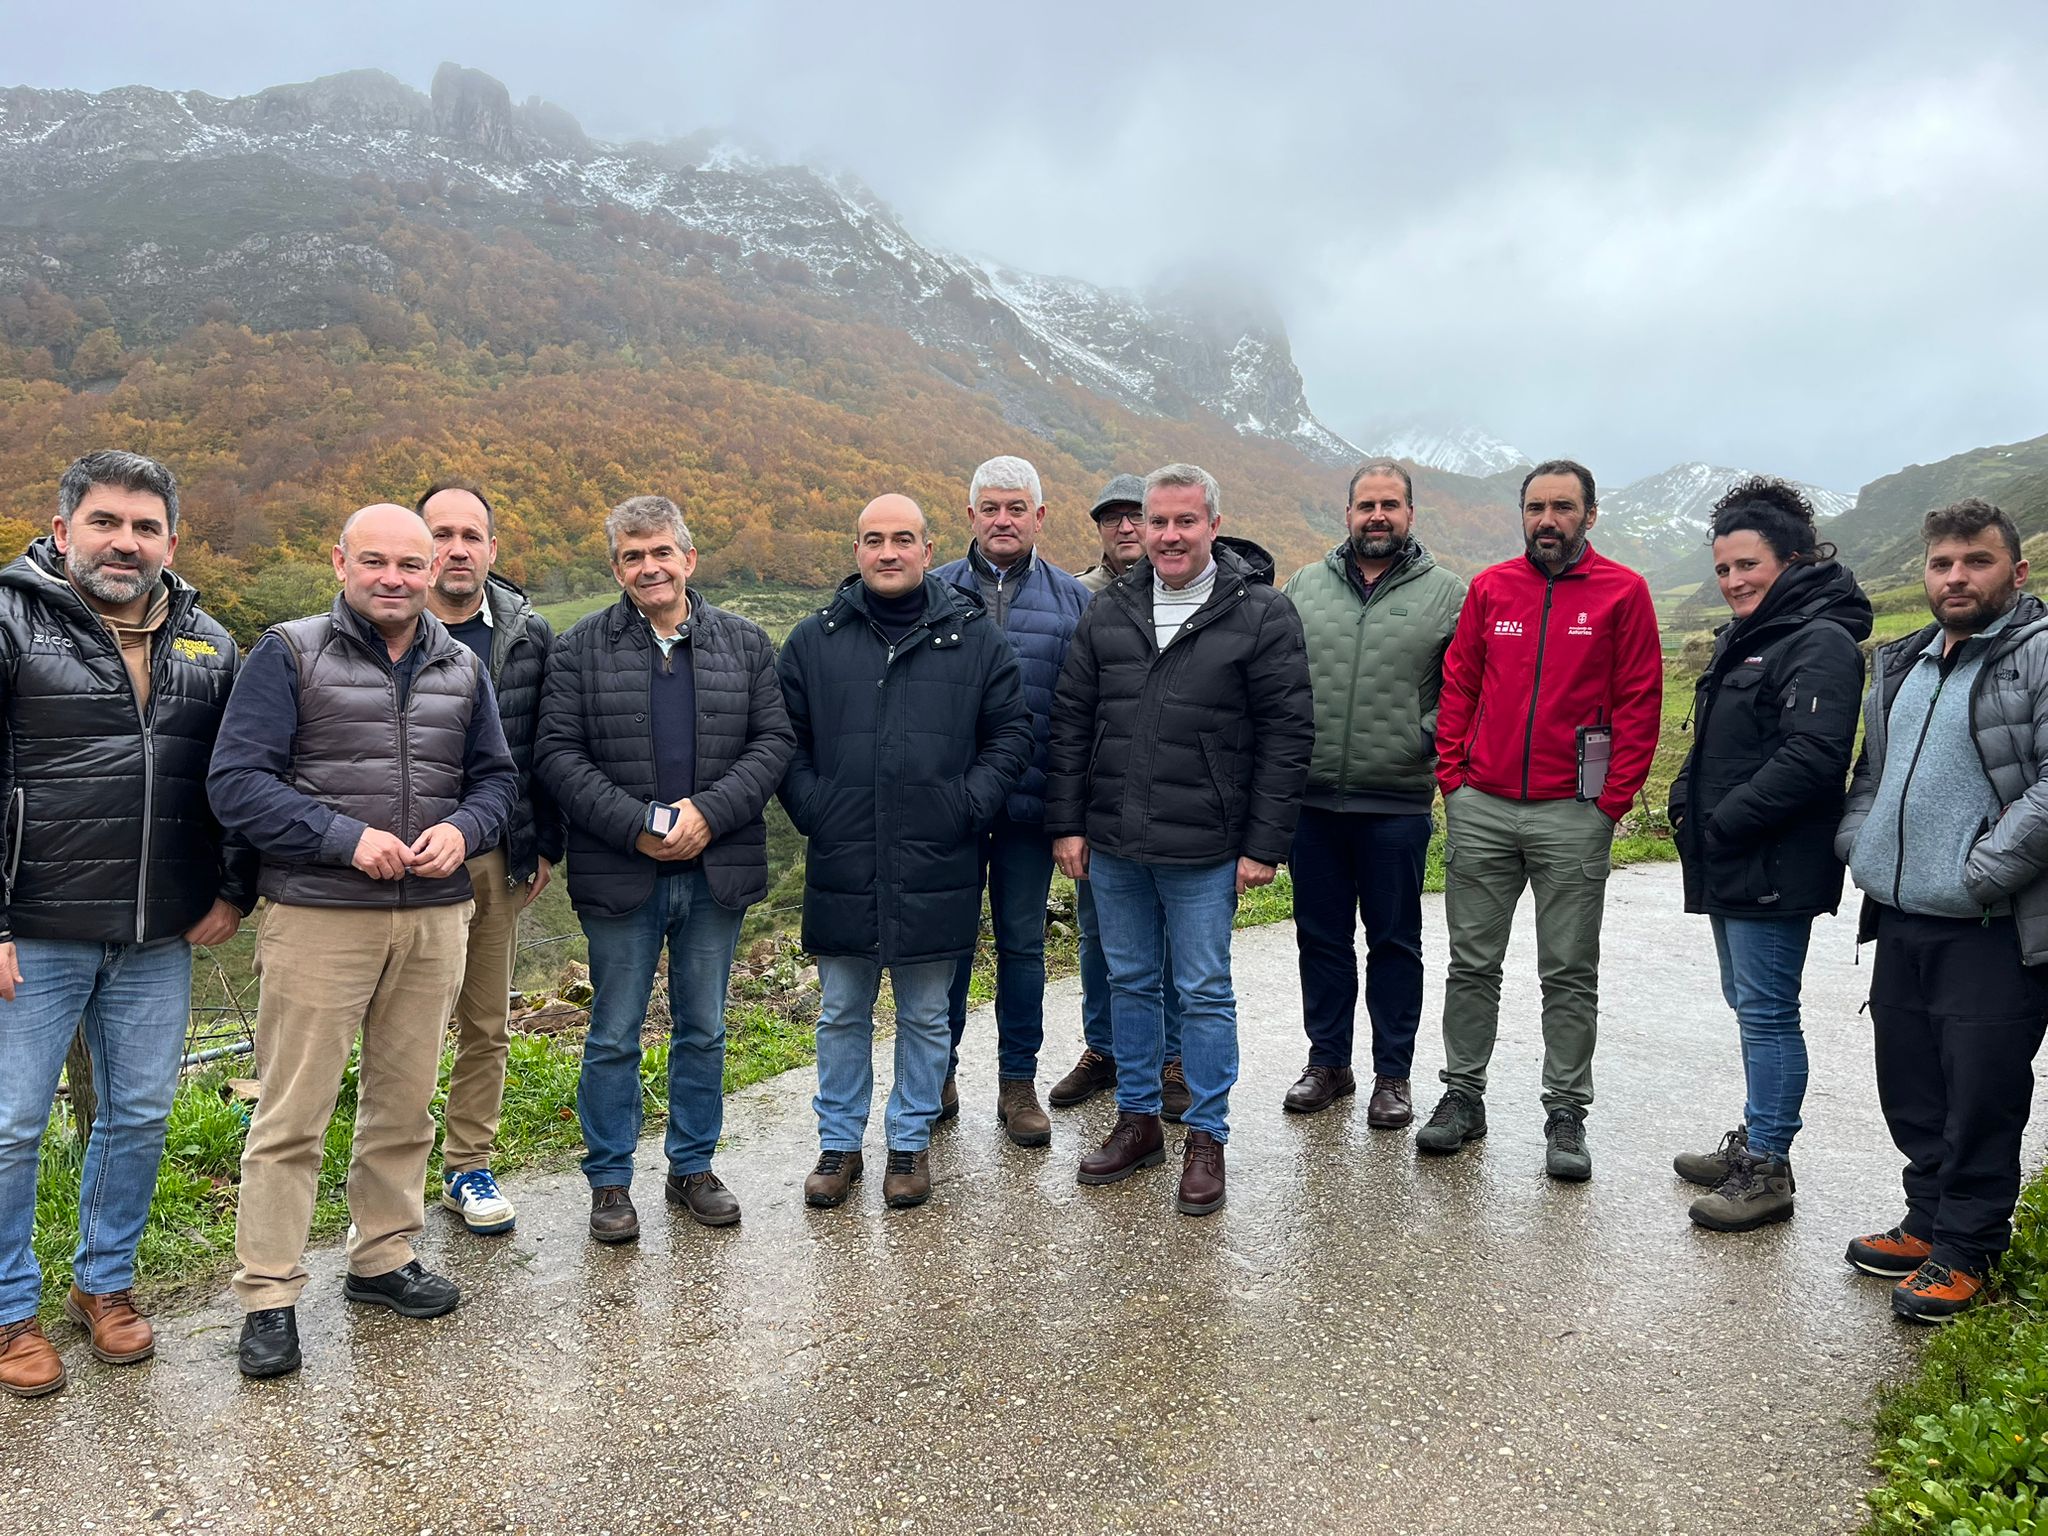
[(1553, 691)]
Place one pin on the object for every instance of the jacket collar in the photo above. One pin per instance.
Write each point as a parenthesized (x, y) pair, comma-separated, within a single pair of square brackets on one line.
[(981, 565), (946, 607), (430, 641), (40, 570)]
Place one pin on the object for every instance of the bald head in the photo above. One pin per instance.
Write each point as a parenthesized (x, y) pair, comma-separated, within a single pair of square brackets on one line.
[(385, 559), (892, 545)]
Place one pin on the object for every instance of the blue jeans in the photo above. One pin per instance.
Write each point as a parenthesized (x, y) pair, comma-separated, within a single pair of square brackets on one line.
[(1148, 913), (134, 1001), (1095, 1030), (700, 937), (1762, 962), (846, 1051), (1016, 860)]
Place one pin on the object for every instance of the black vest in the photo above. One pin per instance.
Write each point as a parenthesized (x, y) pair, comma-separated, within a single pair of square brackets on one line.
[(356, 750)]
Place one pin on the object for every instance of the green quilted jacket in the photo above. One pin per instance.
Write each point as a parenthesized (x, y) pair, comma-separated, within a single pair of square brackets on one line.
[(1377, 668)]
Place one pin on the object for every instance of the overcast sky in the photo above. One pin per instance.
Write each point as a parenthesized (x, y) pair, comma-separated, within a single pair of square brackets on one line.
[(1805, 238)]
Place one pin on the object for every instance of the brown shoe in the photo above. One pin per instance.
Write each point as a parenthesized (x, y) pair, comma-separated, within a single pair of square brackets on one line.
[(909, 1179), (1318, 1088), (949, 1102), (1091, 1075), (1174, 1097), (1389, 1108), (1018, 1113), (29, 1364), (833, 1179), (612, 1217), (120, 1334), (705, 1197), (1135, 1142), (1201, 1175)]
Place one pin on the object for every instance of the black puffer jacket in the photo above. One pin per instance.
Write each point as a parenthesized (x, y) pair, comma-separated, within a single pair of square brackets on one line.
[(1194, 754), (520, 639), (902, 754), (1774, 718), (595, 752), (105, 841)]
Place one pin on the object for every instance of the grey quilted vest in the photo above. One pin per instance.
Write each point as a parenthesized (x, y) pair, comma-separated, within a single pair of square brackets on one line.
[(356, 751)]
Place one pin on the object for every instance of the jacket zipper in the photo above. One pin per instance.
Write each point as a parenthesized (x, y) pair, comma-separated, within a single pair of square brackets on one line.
[(1536, 688)]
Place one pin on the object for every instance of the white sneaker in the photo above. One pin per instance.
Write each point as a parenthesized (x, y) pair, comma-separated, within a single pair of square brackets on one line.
[(474, 1197)]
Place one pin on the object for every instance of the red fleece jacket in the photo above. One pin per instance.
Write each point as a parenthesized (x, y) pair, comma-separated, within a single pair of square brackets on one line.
[(1534, 658)]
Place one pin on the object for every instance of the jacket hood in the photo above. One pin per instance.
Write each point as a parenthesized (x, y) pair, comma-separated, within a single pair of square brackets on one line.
[(1254, 562), (1413, 555), (1824, 589), (507, 598)]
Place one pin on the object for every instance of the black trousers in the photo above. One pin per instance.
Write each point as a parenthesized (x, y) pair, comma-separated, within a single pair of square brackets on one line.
[(1958, 1021), (1348, 865)]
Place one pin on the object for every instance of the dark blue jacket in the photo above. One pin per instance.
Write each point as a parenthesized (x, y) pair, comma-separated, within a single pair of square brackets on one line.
[(1044, 605), (904, 753)]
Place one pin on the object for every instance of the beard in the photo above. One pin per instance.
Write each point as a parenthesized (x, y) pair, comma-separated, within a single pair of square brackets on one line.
[(118, 587), (1985, 610), (1567, 550), (1368, 545)]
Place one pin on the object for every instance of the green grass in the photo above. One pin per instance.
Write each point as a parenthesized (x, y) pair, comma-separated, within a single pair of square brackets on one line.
[(1962, 1446)]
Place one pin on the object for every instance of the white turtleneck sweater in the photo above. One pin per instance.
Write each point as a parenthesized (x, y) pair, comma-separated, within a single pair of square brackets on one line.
[(1171, 609)]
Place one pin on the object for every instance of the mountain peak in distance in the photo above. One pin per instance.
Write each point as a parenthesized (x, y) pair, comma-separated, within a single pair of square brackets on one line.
[(1458, 449)]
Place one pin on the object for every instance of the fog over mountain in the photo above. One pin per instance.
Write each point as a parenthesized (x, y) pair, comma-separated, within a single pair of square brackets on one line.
[(1804, 239)]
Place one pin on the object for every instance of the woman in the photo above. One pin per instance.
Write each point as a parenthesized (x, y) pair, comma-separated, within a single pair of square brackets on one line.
[(1755, 810)]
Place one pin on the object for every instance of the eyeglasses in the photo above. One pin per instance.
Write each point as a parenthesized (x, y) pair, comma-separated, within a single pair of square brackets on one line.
[(1109, 516)]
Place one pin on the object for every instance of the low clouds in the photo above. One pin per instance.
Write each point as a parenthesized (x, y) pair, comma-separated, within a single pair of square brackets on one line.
[(1801, 238)]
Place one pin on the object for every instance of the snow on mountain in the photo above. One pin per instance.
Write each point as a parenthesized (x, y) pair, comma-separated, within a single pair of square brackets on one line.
[(1461, 450), (1671, 512), (469, 144)]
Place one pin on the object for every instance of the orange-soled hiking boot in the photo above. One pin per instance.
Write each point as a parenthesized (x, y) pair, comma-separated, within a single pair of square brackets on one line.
[(1893, 1254), (1935, 1293)]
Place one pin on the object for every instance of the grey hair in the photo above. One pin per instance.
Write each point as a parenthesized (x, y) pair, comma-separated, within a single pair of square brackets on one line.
[(1006, 473), (1186, 474), (645, 514), (129, 471)]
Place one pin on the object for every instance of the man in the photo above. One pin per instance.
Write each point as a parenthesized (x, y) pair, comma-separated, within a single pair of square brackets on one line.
[(1118, 513), (911, 730), (1181, 738), (660, 703), (362, 754), (112, 683), (1946, 834), (1378, 613), (492, 617), (1553, 687), (1036, 605)]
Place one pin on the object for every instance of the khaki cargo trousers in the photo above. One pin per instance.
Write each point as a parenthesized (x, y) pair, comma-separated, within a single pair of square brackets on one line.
[(1493, 849), (328, 976), (483, 1014)]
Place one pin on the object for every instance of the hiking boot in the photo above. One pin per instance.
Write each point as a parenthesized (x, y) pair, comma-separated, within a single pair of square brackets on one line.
[(1459, 1117), (949, 1102), (1093, 1073), (29, 1363), (909, 1179), (474, 1197), (833, 1179), (1201, 1175), (1935, 1293), (270, 1343), (1757, 1191), (1134, 1142), (1174, 1097), (1709, 1170), (612, 1217), (411, 1290), (1893, 1254), (704, 1196), (120, 1334), (1390, 1107), (1018, 1113), (1564, 1145), (1318, 1088)]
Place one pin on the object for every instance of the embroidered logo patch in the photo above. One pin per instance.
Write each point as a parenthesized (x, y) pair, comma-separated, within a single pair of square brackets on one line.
[(1511, 627), (192, 649)]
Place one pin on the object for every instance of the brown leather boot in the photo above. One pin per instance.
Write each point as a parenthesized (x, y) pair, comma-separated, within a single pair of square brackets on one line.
[(1174, 1097), (1018, 1113), (1092, 1073), (29, 1364), (1390, 1107), (1318, 1088), (833, 1179), (909, 1179), (1135, 1142), (949, 1102), (1201, 1175), (120, 1334)]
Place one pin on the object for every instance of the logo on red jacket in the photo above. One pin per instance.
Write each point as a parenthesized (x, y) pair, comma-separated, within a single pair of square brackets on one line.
[(1508, 627), (1583, 627)]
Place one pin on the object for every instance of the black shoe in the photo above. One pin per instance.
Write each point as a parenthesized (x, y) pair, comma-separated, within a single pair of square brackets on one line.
[(1459, 1117), (409, 1290), (270, 1343), (1564, 1146)]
